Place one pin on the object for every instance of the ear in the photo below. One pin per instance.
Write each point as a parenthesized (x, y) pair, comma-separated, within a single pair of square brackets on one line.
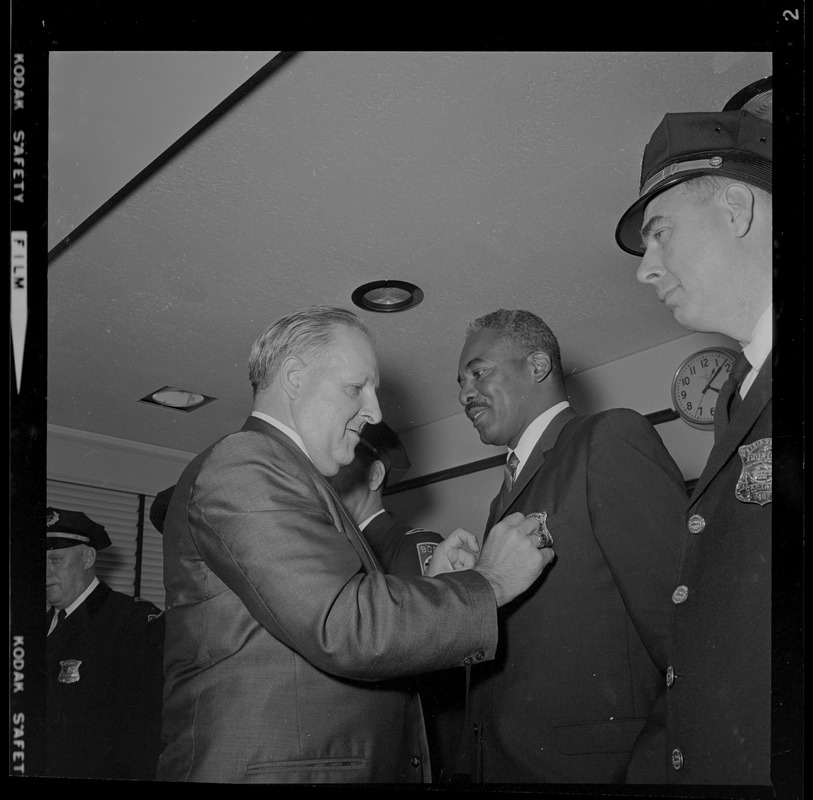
[(540, 365), (291, 376), (89, 557), (376, 475), (739, 202)]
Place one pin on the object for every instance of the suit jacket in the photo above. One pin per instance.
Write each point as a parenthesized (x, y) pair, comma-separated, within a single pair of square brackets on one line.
[(583, 652), (719, 703), (104, 678), (283, 631)]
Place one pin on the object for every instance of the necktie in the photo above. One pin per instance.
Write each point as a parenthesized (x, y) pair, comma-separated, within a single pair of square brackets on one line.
[(509, 472), (60, 617), (729, 398)]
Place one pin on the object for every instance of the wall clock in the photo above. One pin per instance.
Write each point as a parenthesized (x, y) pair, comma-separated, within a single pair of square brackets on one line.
[(697, 383)]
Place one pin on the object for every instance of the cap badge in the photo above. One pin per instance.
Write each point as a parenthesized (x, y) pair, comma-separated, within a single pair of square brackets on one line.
[(715, 161), (755, 484), (52, 519), (70, 670)]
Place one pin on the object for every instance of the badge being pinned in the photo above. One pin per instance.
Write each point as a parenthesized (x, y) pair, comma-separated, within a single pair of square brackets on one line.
[(542, 532), (755, 483), (70, 670)]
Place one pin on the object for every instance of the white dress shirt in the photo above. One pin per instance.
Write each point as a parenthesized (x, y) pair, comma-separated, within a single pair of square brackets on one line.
[(531, 434), (757, 350)]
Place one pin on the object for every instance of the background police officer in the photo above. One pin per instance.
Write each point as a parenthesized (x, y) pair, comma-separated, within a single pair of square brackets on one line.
[(103, 662), (381, 461)]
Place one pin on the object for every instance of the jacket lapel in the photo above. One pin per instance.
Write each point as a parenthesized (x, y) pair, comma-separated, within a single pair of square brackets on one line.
[(350, 529), (502, 502), (754, 403)]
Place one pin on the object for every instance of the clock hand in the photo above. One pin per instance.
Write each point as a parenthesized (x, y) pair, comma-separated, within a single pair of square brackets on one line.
[(711, 380)]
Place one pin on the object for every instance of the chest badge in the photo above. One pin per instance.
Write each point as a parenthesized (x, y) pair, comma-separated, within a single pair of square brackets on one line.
[(69, 672), (755, 482)]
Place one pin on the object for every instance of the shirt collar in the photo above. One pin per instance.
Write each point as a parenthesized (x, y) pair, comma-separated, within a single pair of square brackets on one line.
[(531, 434), (756, 351), (281, 426), (82, 597), (369, 519)]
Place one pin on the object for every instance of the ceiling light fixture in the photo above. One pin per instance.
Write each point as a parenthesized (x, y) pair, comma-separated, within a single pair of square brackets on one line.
[(387, 296), (179, 399)]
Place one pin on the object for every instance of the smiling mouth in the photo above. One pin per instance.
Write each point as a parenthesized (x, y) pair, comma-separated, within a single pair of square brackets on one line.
[(475, 413)]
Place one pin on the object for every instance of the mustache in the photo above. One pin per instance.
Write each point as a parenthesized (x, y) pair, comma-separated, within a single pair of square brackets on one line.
[(474, 404)]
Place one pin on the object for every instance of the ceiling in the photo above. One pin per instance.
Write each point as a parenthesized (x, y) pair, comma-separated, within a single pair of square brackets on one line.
[(489, 179)]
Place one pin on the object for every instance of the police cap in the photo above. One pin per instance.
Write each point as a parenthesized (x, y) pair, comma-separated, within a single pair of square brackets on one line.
[(734, 144), (385, 445), (70, 528), (159, 507)]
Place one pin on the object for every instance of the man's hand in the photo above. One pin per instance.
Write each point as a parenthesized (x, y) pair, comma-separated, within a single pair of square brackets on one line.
[(449, 555), (510, 560)]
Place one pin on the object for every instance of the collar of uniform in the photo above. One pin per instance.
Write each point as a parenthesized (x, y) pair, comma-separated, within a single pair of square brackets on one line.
[(531, 434), (756, 351), (281, 426), (369, 519), (82, 597)]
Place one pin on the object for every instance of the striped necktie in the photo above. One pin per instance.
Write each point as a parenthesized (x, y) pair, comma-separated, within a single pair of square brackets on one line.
[(510, 472)]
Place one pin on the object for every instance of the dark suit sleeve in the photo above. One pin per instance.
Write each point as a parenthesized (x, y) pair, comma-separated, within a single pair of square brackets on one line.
[(137, 745), (636, 499), (261, 525)]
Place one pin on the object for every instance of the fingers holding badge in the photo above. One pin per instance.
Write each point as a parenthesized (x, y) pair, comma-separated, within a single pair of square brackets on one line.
[(542, 533)]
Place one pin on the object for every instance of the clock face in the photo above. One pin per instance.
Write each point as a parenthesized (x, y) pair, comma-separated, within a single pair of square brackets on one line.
[(697, 383)]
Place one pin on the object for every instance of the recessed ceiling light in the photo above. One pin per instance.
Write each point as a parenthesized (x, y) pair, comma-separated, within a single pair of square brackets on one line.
[(179, 399), (387, 296)]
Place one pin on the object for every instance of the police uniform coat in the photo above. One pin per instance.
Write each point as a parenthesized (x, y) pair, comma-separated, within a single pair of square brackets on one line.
[(283, 631), (719, 699), (583, 652), (400, 549), (104, 676)]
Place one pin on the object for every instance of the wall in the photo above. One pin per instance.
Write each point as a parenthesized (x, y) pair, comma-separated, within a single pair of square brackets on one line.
[(641, 381), (112, 463)]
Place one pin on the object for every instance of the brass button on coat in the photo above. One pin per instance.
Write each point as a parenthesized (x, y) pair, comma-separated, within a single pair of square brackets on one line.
[(670, 676), (677, 759), (696, 523), (680, 594)]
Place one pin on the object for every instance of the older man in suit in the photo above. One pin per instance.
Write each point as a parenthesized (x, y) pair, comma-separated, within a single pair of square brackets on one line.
[(583, 652), (282, 629), (702, 224)]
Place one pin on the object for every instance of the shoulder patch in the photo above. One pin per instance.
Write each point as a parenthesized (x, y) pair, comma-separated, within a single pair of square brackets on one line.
[(425, 552)]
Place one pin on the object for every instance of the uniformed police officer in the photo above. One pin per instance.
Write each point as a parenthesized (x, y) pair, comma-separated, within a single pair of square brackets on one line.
[(103, 662), (702, 224), (381, 461)]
